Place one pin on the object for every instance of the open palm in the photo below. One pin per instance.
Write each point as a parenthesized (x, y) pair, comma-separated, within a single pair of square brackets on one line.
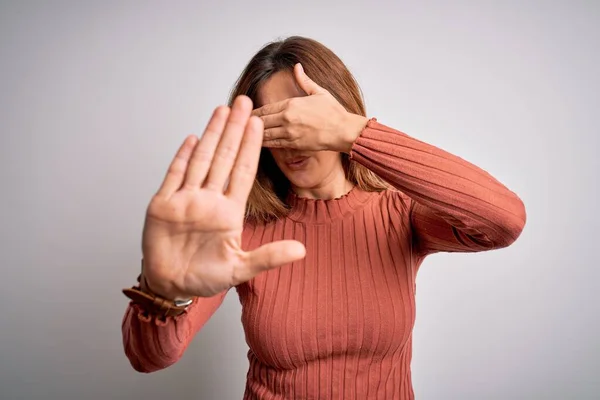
[(192, 234)]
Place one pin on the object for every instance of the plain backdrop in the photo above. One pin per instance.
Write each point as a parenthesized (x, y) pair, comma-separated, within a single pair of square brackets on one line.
[(95, 97)]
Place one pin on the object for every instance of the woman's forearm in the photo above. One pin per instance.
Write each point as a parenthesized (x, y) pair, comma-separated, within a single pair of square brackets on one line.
[(152, 344), (457, 205)]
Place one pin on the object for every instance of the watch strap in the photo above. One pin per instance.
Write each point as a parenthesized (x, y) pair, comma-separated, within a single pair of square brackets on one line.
[(154, 304)]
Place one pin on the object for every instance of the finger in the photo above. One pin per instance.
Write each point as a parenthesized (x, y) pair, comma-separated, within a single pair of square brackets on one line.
[(246, 164), (278, 144), (269, 256), (176, 172), (276, 133), (273, 120), (229, 144), (305, 83), (272, 108), (205, 149)]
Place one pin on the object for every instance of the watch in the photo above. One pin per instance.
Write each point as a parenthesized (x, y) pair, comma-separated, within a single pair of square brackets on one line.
[(153, 303)]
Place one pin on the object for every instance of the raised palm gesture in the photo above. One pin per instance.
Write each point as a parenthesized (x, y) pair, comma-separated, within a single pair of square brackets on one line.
[(192, 233)]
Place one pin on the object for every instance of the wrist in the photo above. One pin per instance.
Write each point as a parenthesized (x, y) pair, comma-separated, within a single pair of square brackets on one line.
[(154, 303), (352, 128)]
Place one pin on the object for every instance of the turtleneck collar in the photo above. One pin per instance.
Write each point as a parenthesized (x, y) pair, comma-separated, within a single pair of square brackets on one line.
[(303, 209)]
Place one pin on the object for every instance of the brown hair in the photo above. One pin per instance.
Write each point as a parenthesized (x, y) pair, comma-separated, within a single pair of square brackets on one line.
[(268, 194)]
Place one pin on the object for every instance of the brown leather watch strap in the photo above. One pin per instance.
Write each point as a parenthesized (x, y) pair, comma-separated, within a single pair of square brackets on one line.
[(153, 303)]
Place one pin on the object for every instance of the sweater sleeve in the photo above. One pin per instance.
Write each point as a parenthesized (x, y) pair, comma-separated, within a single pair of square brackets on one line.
[(151, 344), (455, 206)]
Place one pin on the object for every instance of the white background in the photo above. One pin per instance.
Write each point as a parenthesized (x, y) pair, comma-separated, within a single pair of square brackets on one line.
[(95, 97)]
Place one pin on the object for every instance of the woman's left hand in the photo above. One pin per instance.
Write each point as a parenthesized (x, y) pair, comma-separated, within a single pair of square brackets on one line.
[(314, 122)]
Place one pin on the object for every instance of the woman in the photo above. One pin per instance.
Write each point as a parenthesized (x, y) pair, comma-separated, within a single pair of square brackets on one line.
[(321, 233)]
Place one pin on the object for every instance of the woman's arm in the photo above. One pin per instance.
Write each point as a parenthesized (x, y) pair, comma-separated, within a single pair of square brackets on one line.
[(151, 344), (455, 205), (192, 237)]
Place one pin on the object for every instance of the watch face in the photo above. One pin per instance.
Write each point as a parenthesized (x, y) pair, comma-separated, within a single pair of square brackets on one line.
[(183, 303)]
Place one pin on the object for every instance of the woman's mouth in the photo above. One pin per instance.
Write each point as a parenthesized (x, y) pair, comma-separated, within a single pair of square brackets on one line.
[(297, 163)]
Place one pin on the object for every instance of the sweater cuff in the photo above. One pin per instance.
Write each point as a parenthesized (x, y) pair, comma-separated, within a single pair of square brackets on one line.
[(148, 317), (368, 133)]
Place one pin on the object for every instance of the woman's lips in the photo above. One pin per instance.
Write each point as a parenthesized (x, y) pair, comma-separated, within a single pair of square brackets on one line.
[(297, 163)]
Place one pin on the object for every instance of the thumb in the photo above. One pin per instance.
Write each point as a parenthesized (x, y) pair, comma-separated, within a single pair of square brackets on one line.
[(305, 83), (269, 256)]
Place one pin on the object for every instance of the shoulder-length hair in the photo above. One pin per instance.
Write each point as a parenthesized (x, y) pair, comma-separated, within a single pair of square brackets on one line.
[(270, 190)]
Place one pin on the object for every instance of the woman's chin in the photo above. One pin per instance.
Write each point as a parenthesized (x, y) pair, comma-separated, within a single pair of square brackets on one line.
[(301, 182)]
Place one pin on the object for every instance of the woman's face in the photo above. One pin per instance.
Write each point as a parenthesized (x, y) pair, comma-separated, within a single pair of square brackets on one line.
[(304, 169)]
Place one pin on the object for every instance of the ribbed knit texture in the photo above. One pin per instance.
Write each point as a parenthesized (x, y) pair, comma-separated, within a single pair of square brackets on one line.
[(338, 324)]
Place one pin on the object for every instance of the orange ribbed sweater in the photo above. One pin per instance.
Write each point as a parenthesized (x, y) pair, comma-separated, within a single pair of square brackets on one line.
[(338, 324)]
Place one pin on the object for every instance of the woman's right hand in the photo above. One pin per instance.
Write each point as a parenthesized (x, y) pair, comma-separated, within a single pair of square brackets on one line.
[(192, 234)]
